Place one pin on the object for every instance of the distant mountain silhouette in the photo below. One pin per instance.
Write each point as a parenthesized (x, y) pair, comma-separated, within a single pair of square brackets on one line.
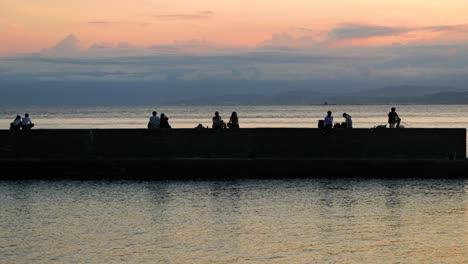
[(402, 90), (218, 92), (451, 97), (388, 95)]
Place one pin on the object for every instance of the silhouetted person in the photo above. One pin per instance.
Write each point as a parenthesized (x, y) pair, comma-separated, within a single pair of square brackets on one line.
[(328, 120), (218, 122), (164, 122), (327, 124), (16, 124), (26, 122), (154, 121), (233, 121), (393, 118), (348, 120)]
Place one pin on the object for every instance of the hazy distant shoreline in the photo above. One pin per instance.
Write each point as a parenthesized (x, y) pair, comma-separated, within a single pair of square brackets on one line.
[(223, 92)]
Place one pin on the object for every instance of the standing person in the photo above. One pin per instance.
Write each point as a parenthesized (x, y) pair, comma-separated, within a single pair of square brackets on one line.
[(164, 122), (233, 121), (154, 121), (328, 120), (217, 121), (16, 124), (393, 118), (26, 122), (348, 120)]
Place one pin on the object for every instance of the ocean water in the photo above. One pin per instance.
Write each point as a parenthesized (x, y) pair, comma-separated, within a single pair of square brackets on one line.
[(364, 116), (248, 221)]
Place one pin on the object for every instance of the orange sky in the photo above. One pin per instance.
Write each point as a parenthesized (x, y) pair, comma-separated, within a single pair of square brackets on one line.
[(32, 25)]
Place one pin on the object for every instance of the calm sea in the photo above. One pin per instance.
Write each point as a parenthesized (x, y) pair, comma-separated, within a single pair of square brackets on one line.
[(249, 221), (364, 116)]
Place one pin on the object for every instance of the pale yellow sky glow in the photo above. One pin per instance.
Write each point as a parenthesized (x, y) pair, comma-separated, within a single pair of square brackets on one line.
[(32, 25)]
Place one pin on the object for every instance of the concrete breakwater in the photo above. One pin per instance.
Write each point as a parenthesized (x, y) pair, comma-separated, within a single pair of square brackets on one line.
[(174, 153)]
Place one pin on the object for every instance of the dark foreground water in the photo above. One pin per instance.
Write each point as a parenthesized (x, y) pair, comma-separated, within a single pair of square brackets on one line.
[(251, 221)]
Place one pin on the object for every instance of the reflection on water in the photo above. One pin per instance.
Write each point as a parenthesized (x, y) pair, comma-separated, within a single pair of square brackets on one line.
[(250, 221)]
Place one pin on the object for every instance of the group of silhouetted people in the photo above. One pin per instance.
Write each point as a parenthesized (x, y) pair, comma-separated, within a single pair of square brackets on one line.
[(393, 120), (21, 123), (327, 121), (218, 123), (156, 122)]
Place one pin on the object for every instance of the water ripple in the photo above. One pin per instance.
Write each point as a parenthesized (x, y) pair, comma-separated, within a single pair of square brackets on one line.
[(251, 221)]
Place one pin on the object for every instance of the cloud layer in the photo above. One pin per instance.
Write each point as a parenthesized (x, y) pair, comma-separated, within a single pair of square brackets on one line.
[(187, 16), (308, 55)]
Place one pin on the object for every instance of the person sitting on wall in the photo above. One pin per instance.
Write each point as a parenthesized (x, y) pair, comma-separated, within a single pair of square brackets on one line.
[(164, 122), (348, 121), (154, 122), (16, 124), (233, 121), (328, 120), (393, 119), (218, 122), (26, 122), (327, 124)]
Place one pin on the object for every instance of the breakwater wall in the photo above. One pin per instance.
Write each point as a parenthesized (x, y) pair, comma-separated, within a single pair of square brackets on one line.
[(240, 143), (257, 150)]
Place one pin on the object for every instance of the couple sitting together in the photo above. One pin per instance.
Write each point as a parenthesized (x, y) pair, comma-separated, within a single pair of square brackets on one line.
[(219, 123)]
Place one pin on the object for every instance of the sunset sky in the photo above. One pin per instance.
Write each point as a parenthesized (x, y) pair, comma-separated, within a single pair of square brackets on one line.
[(33, 25), (375, 41)]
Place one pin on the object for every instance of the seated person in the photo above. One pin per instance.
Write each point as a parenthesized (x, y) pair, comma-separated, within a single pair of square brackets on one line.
[(16, 124), (393, 118), (328, 120), (154, 121), (233, 121), (348, 121), (164, 122), (26, 122), (218, 121)]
